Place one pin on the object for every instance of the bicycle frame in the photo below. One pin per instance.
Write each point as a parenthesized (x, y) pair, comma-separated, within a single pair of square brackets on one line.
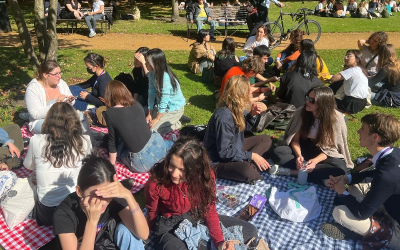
[(301, 16)]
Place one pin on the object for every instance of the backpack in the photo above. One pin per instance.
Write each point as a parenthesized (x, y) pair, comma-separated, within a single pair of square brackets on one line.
[(189, 6), (197, 131)]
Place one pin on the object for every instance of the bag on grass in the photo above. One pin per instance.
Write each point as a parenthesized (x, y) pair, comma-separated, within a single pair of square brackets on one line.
[(197, 131), (207, 76), (280, 111), (299, 204)]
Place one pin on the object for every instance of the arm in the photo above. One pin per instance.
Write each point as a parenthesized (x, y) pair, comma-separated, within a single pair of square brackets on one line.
[(361, 43), (4, 139), (295, 144), (379, 77), (29, 161), (112, 147), (133, 217), (292, 57), (382, 187), (88, 83), (248, 47), (337, 77), (100, 88), (69, 7), (151, 193), (212, 222), (33, 104), (69, 241)]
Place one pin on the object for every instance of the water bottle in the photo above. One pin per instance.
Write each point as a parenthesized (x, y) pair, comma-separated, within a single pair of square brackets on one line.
[(302, 176)]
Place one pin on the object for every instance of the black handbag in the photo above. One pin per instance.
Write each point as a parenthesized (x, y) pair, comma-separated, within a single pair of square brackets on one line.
[(279, 112), (105, 237)]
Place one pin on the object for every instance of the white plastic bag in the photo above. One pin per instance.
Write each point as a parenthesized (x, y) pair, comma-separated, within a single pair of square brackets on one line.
[(299, 204)]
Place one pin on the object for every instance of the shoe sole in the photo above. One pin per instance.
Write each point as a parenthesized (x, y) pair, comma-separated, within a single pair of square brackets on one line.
[(332, 231)]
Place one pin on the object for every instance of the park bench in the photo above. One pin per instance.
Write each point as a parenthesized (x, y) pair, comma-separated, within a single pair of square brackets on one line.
[(72, 24), (227, 16)]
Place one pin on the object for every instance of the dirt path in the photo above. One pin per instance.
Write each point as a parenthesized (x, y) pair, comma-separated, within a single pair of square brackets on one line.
[(169, 42)]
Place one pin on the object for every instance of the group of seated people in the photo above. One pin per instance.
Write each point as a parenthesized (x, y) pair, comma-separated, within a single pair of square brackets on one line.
[(371, 9), (78, 193)]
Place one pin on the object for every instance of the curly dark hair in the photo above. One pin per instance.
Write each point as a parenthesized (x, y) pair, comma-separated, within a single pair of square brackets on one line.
[(199, 174), (64, 136), (380, 36), (298, 36), (253, 63)]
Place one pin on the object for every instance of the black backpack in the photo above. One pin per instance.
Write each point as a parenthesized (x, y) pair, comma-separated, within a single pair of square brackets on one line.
[(197, 131)]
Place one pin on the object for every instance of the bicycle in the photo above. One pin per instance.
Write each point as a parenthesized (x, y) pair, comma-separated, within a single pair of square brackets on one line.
[(311, 28)]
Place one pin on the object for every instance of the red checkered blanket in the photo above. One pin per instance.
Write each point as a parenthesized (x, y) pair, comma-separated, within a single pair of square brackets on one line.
[(28, 235)]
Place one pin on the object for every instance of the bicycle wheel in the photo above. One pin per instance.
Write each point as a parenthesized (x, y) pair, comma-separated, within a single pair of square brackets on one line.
[(275, 32), (312, 30)]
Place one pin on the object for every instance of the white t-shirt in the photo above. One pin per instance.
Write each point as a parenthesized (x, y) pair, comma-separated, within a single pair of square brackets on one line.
[(392, 4), (367, 56), (352, 6), (251, 43), (314, 130), (355, 83), (319, 7), (53, 184), (96, 6)]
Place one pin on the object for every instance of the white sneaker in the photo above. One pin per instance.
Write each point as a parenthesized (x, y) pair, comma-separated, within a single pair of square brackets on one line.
[(92, 34), (369, 16), (24, 116)]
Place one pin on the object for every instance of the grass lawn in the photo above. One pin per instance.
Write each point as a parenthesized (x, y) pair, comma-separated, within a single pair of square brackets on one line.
[(16, 73)]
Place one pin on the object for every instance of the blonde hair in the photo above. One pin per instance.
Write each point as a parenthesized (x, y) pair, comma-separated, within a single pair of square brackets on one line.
[(236, 97)]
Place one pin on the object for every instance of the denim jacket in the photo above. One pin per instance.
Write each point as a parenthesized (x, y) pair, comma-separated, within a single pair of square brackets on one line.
[(193, 16), (4, 139), (191, 234)]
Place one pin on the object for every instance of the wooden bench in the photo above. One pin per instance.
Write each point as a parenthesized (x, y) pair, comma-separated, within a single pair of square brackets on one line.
[(73, 23), (226, 15)]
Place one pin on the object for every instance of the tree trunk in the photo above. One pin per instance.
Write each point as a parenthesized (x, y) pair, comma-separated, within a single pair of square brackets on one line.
[(40, 29), (4, 20), (175, 10), (24, 34), (52, 32)]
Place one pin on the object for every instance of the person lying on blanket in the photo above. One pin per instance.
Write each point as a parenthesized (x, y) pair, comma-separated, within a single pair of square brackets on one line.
[(371, 208), (56, 155), (11, 146), (140, 148), (183, 187), (100, 204)]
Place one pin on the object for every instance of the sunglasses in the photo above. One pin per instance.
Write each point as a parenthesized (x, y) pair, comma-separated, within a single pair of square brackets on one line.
[(311, 100)]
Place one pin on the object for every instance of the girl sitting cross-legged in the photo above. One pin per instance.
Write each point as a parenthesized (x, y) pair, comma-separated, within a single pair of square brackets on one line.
[(183, 187)]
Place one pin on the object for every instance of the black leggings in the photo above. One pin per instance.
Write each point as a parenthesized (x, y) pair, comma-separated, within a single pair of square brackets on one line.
[(166, 239), (245, 171), (285, 157)]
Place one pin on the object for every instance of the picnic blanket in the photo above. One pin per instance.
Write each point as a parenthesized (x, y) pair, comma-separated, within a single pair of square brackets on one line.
[(280, 233), (28, 235)]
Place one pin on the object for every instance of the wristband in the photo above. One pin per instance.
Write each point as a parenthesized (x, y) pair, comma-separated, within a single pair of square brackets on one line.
[(135, 209)]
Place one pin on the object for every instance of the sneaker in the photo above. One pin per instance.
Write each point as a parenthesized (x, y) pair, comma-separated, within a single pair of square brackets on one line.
[(339, 232), (184, 119), (92, 34), (276, 170), (369, 16), (212, 38), (24, 116)]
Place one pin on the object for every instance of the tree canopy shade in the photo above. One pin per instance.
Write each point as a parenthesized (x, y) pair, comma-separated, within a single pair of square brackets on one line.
[(47, 36)]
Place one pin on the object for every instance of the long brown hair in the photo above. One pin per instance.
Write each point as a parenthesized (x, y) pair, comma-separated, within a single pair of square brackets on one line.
[(298, 36), (117, 93), (45, 68), (198, 173), (326, 115), (64, 136), (235, 97), (388, 58)]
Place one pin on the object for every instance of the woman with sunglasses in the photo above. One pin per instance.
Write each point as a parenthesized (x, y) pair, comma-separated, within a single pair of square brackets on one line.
[(316, 139), (43, 91), (353, 79), (95, 65)]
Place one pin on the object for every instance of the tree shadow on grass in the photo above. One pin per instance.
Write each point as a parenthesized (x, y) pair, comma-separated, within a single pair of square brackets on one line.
[(204, 102)]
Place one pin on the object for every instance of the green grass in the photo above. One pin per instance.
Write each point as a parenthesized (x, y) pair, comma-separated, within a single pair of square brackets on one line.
[(156, 16)]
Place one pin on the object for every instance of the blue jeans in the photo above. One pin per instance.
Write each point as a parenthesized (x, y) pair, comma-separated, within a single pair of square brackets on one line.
[(94, 19), (200, 20), (154, 151), (124, 239), (206, 63), (80, 104), (191, 235), (285, 54)]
